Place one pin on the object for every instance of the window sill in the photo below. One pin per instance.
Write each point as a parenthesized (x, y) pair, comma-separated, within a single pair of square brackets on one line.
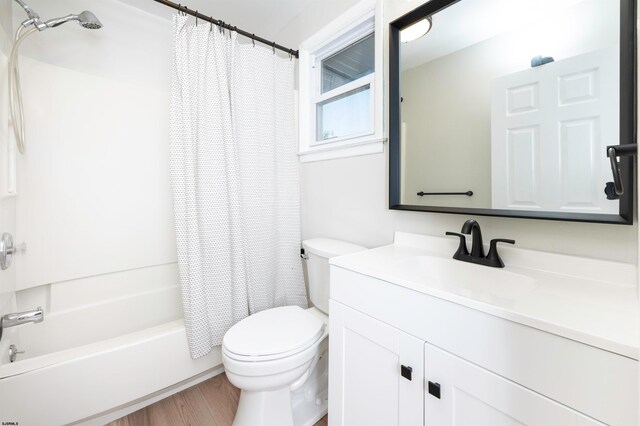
[(365, 147)]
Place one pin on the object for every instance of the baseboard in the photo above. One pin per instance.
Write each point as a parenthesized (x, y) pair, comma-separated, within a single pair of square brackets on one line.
[(123, 410)]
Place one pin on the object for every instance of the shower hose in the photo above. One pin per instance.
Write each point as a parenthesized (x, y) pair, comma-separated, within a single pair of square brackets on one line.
[(15, 95)]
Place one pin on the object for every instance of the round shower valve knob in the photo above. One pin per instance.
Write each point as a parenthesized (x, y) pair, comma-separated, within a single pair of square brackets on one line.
[(7, 250)]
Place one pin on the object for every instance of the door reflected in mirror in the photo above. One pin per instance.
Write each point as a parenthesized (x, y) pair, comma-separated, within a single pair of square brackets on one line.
[(514, 102)]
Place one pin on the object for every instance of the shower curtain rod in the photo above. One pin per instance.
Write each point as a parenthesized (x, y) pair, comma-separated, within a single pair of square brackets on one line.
[(222, 24)]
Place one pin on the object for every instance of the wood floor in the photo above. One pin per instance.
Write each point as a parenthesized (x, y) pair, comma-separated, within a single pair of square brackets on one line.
[(209, 403)]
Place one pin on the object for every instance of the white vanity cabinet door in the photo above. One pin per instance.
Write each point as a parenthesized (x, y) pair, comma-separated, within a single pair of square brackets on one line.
[(473, 396), (366, 386)]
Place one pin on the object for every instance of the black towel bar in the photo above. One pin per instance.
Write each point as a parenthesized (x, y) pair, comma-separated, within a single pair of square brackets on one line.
[(468, 193)]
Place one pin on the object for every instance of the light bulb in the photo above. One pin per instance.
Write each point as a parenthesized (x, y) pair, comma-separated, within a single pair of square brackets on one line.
[(415, 31)]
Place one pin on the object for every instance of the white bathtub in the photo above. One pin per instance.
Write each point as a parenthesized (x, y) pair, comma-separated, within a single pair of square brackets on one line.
[(97, 362)]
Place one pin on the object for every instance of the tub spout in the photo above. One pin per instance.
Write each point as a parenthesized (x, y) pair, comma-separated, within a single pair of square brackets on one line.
[(11, 320), (17, 318)]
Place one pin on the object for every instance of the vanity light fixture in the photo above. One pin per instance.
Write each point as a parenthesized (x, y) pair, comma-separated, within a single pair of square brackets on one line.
[(417, 30)]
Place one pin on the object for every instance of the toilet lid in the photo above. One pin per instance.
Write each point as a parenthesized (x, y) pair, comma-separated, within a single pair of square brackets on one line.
[(273, 332)]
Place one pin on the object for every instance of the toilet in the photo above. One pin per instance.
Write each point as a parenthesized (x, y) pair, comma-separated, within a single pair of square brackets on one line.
[(278, 357)]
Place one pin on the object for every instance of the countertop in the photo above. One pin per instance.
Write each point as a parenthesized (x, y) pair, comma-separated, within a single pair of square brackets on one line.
[(587, 300)]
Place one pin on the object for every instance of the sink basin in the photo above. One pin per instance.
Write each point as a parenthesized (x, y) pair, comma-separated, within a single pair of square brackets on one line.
[(465, 278)]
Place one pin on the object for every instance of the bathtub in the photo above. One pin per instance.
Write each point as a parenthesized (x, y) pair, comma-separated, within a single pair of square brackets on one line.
[(96, 362)]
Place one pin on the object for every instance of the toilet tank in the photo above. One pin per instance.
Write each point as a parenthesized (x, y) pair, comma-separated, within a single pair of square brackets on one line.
[(319, 251)]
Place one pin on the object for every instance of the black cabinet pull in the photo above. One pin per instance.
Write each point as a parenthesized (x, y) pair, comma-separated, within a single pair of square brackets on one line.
[(405, 371), (434, 389)]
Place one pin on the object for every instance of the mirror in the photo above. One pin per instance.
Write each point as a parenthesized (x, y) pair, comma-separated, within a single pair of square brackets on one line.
[(505, 108)]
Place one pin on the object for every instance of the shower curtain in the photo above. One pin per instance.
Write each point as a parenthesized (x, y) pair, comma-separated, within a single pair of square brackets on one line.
[(234, 176)]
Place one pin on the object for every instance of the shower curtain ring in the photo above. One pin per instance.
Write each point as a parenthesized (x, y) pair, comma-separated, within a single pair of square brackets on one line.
[(253, 39), (274, 47), (211, 25), (196, 18), (220, 26)]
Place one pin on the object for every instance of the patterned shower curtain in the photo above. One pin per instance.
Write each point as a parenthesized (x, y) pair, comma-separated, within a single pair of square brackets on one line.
[(234, 176)]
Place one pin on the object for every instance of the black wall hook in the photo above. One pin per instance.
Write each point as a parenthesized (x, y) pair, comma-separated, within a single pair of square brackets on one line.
[(614, 151)]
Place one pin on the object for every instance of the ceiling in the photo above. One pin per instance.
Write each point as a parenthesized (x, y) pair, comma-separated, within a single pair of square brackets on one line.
[(264, 18), (466, 23), (472, 21)]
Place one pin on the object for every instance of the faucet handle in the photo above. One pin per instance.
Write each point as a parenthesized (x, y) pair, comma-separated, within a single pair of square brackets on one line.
[(493, 258), (462, 248)]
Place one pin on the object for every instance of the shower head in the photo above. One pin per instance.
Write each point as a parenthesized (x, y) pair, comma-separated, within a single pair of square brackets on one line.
[(89, 21), (86, 19)]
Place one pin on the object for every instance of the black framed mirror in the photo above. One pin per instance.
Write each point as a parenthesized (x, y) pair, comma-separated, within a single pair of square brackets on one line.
[(506, 108)]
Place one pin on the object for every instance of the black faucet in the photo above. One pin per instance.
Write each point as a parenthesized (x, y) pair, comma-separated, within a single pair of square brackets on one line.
[(472, 227), (477, 248)]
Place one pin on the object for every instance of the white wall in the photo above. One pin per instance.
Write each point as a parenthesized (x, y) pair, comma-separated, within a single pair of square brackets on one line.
[(93, 187), (7, 203), (348, 198), (441, 155), (5, 26)]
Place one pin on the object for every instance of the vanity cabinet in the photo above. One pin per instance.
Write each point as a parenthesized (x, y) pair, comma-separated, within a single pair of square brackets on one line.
[(380, 375), (376, 374), (470, 395), (488, 370)]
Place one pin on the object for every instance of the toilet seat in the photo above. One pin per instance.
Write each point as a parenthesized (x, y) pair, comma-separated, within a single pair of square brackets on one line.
[(273, 334)]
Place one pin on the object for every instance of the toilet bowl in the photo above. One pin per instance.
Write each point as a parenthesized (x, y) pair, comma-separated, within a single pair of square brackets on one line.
[(264, 371), (278, 357)]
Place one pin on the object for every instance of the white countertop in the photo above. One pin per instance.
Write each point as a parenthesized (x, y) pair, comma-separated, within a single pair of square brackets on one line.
[(588, 300)]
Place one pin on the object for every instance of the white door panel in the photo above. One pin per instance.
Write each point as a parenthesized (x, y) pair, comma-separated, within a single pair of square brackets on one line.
[(523, 149), (473, 396), (365, 382), (560, 166)]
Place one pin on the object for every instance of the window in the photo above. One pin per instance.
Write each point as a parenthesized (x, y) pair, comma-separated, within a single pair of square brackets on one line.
[(344, 115), (340, 87), (349, 64)]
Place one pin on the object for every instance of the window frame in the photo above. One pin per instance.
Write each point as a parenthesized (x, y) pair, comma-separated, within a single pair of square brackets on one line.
[(362, 20)]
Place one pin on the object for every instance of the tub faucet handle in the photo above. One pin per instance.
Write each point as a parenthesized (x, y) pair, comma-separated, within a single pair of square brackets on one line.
[(14, 352), (8, 249), (18, 249)]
